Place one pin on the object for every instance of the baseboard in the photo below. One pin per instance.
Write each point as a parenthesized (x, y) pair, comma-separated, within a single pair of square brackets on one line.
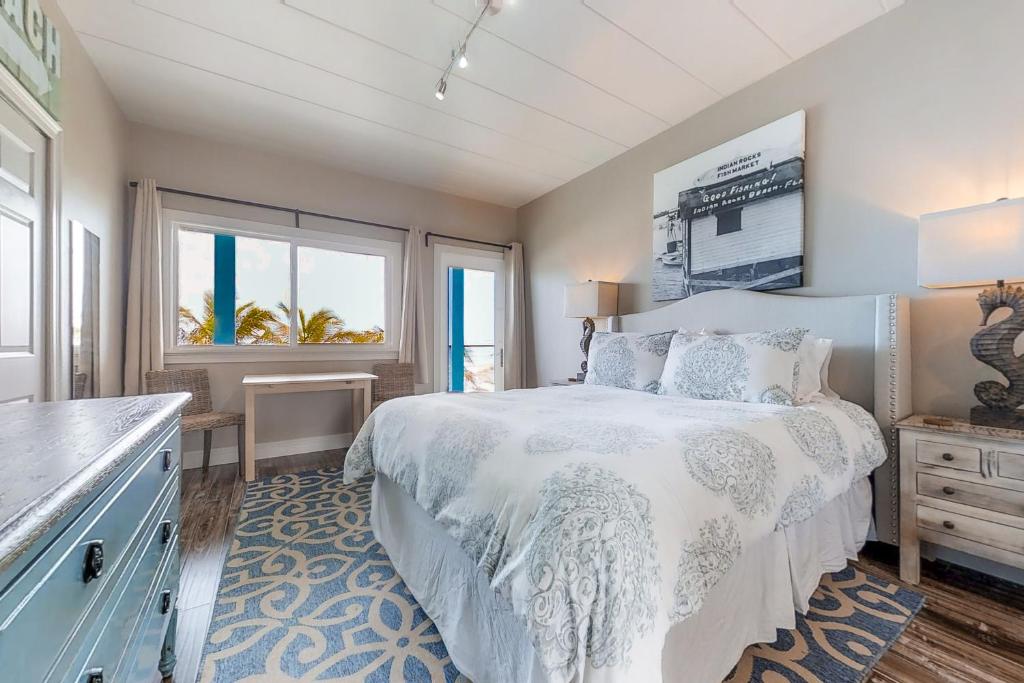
[(227, 455)]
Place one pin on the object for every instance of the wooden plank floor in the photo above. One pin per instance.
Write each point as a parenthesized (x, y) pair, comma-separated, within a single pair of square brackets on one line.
[(971, 629)]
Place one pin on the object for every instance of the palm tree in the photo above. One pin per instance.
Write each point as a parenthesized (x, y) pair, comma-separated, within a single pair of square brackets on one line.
[(253, 324), (324, 326)]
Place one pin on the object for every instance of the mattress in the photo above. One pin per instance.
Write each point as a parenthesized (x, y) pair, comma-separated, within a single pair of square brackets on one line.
[(772, 580)]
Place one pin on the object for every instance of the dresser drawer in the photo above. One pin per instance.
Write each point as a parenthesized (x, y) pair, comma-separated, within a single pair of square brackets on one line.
[(950, 455), (52, 603), (978, 530), (969, 493), (136, 601), (150, 639)]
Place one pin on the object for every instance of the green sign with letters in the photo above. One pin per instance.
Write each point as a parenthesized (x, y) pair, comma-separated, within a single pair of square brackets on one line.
[(30, 49)]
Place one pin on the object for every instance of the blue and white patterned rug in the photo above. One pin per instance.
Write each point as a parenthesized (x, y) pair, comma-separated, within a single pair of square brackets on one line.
[(307, 594)]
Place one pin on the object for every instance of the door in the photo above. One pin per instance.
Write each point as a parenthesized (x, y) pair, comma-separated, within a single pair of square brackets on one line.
[(469, 319), (22, 260)]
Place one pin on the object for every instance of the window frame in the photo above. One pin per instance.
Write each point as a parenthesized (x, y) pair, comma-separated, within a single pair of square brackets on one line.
[(175, 220)]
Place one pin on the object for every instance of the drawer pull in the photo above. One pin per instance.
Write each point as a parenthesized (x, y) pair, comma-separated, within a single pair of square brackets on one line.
[(165, 531), (165, 602), (93, 561), (167, 459), (948, 490), (94, 675), (948, 457), (948, 524)]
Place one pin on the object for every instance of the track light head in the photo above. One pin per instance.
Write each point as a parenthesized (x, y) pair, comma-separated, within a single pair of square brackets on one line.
[(463, 60), (442, 87)]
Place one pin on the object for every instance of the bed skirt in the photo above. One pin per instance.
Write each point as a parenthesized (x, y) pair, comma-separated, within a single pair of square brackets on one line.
[(759, 594)]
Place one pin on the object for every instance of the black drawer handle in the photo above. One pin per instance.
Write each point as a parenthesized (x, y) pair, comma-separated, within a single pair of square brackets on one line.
[(165, 602), (93, 561), (94, 675), (165, 531), (949, 525), (167, 459), (948, 490), (948, 457)]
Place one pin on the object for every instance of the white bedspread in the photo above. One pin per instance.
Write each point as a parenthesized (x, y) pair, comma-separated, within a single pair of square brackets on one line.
[(602, 516)]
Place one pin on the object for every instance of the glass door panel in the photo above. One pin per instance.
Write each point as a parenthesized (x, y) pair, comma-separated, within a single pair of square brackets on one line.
[(469, 324)]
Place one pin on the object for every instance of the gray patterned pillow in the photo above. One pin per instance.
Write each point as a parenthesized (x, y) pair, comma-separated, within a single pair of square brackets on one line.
[(627, 360), (759, 367)]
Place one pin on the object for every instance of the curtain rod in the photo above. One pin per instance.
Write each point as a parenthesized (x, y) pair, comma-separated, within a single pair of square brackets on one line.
[(428, 235), (272, 207), (315, 214)]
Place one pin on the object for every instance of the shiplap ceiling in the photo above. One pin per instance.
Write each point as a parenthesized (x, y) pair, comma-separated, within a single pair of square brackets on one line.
[(553, 89)]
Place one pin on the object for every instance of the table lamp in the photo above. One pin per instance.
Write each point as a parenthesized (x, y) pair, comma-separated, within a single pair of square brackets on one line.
[(589, 300), (977, 246)]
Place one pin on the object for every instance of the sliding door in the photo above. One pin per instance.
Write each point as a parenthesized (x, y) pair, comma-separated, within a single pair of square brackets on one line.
[(469, 319)]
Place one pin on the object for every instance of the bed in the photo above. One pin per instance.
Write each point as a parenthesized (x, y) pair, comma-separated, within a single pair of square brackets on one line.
[(600, 534)]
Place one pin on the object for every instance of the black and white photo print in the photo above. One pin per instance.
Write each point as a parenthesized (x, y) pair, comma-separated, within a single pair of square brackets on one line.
[(733, 216)]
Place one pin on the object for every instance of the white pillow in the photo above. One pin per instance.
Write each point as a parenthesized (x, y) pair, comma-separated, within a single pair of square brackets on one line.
[(758, 367), (812, 380), (627, 360)]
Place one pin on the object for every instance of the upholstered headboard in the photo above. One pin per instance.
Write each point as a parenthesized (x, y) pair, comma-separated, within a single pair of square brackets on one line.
[(870, 358)]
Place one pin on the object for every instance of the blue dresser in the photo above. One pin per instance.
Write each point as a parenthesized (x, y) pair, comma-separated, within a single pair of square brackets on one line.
[(89, 502)]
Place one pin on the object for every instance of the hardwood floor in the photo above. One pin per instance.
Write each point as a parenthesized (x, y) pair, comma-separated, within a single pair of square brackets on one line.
[(971, 629)]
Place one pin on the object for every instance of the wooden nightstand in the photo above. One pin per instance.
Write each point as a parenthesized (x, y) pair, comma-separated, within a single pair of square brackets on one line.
[(962, 487)]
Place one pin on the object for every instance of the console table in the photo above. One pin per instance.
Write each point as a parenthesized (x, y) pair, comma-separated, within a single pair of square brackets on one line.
[(290, 384)]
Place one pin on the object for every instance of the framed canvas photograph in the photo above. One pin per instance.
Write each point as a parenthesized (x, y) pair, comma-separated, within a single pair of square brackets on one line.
[(733, 216)]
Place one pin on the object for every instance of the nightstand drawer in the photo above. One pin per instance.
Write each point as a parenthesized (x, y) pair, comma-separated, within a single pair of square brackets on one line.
[(988, 533), (1010, 465), (969, 493), (949, 455)]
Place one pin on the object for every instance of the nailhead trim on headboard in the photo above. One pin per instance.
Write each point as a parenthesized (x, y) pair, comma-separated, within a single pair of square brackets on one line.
[(894, 469)]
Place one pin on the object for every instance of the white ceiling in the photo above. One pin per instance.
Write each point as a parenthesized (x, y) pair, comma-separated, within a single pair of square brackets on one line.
[(554, 87)]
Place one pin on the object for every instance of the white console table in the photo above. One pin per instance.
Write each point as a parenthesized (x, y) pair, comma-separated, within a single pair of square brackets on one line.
[(289, 384)]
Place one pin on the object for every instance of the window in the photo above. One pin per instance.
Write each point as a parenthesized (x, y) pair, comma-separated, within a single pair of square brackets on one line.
[(729, 221), (246, 290)]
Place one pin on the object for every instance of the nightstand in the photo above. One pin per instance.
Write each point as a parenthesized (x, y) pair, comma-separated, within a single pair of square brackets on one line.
[(565, 382), (961, 487)]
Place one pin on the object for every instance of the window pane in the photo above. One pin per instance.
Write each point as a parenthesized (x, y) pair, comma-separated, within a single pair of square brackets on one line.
[(262, 291), (471, 330), (341, 297), (256, 298), (195, 287)]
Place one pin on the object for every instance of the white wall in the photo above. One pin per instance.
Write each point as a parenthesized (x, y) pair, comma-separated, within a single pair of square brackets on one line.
[(918, 111), (190, 163), (93, 184)]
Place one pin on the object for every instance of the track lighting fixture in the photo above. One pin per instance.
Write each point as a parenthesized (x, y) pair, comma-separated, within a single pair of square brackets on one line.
[(459, 54)]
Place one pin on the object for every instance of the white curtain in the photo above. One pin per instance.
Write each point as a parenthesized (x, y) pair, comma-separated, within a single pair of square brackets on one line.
[(515, 319), (143, 344), (412, 343)]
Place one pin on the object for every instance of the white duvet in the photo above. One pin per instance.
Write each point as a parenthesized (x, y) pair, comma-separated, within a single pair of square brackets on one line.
[(602, 516)]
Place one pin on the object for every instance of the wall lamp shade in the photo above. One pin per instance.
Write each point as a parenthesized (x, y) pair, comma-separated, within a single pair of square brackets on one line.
[(972, 246), (591, 299)]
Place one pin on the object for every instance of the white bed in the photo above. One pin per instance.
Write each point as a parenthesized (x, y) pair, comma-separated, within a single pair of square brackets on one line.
[(770, 579)]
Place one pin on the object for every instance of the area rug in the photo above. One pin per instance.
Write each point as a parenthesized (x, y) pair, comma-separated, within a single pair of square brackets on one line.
[(307, 594)]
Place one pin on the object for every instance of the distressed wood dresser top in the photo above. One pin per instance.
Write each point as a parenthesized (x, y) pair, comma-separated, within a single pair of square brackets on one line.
[(54, 454)]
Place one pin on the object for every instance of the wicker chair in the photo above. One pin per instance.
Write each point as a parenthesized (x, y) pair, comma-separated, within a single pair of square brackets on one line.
[(393, 380), (198, 414)]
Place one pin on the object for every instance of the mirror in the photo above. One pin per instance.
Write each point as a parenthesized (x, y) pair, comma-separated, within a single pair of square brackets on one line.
[(85, 312)]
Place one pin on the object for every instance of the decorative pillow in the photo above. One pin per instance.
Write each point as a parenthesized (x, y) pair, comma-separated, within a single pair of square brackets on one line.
[(627, 360), (812, 382), (759, 367)]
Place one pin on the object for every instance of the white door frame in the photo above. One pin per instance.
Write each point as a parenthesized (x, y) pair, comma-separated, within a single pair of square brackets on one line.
[(484, 259), (57, 320)]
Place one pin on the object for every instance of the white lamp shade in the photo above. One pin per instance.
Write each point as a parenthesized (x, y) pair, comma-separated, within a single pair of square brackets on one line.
[(591, 299), (973, 246)]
